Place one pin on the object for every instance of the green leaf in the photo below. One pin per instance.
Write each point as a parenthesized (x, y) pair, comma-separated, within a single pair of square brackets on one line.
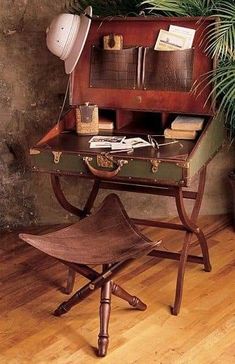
[(105, 7)]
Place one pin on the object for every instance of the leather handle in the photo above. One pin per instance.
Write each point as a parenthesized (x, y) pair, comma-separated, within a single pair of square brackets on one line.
[(102, 173)]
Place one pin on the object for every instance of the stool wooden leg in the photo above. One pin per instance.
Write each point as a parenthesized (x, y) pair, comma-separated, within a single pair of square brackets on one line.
[(70, 281), (132, 300), (105, 308)]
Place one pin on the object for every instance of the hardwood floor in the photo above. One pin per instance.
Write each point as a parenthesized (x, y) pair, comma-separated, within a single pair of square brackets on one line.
[(203, 333)]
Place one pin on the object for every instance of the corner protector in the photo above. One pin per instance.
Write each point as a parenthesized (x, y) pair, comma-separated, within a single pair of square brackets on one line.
[(33, 151), (185, 165)]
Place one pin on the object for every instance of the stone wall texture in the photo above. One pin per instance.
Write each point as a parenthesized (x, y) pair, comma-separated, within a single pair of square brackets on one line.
[(32, 84)]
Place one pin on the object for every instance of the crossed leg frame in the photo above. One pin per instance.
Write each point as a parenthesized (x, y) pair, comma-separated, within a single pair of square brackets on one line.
[(108, 287), (188, 224)]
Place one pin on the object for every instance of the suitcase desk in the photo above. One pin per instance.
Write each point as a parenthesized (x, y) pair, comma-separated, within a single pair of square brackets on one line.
[(141, 90)]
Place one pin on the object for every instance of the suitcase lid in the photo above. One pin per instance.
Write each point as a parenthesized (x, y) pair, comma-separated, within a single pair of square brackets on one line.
[(81, 90)]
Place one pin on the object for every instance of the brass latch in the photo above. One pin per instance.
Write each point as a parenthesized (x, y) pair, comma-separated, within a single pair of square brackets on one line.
[(155, 164), (104, 162), (88, 159), (57, 156)]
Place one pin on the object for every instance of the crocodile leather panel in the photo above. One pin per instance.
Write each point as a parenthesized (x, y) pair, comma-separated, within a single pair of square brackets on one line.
[(168, 70), (114, 69)]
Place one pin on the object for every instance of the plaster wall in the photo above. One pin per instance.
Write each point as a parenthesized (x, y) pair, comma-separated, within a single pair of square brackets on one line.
[(32, 84)]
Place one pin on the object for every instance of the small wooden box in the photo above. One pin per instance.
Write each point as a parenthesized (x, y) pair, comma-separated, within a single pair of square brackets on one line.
[(113, 42)]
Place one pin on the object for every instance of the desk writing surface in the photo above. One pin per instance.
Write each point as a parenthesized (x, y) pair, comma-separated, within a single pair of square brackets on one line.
[(70, 142)]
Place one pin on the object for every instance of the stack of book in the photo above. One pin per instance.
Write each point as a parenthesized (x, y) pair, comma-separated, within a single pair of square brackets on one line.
[(184, 127), (106, 124)]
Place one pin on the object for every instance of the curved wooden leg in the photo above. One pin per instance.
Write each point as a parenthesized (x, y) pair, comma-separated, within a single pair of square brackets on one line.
[(105, 309), (91, 199), (180, 277), (132, 300), (190, 223), (191, 226), (204, 249), (59, 194)]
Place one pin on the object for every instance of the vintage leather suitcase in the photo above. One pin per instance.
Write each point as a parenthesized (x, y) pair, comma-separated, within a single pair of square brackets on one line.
[(145, 97)]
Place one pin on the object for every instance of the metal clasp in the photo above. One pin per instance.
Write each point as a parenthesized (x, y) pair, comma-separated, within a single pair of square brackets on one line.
[(33, 151), (57, 156), (155, 164), (122, 162), (103, 161), (88, 159)]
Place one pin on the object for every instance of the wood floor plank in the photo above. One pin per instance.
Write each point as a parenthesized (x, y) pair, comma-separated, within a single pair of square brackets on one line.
[(203, 333)]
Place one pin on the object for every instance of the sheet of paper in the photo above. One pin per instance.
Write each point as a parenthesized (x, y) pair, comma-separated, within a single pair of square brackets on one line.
[(117, 142), (188, 33), (106, 139), (137, 142), (131, 143), (170, 41), (100, 145)]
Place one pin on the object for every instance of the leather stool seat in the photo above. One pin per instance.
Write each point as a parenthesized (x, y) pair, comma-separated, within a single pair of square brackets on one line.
[(105, 237)]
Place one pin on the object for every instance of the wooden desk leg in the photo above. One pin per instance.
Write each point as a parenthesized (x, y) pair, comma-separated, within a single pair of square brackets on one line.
[(91, 199), (59, 194), (180, 277), (190, 225)]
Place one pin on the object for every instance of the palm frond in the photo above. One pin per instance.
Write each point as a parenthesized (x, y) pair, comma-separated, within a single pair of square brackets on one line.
[(222, 81), (179, 7), (222, 38), (165, 7)]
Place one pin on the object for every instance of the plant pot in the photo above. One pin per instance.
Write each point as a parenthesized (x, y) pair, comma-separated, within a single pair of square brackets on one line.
[(231, 177)]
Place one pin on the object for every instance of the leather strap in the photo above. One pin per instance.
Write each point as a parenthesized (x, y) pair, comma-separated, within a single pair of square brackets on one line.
[(139, 66), (143, 68)]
